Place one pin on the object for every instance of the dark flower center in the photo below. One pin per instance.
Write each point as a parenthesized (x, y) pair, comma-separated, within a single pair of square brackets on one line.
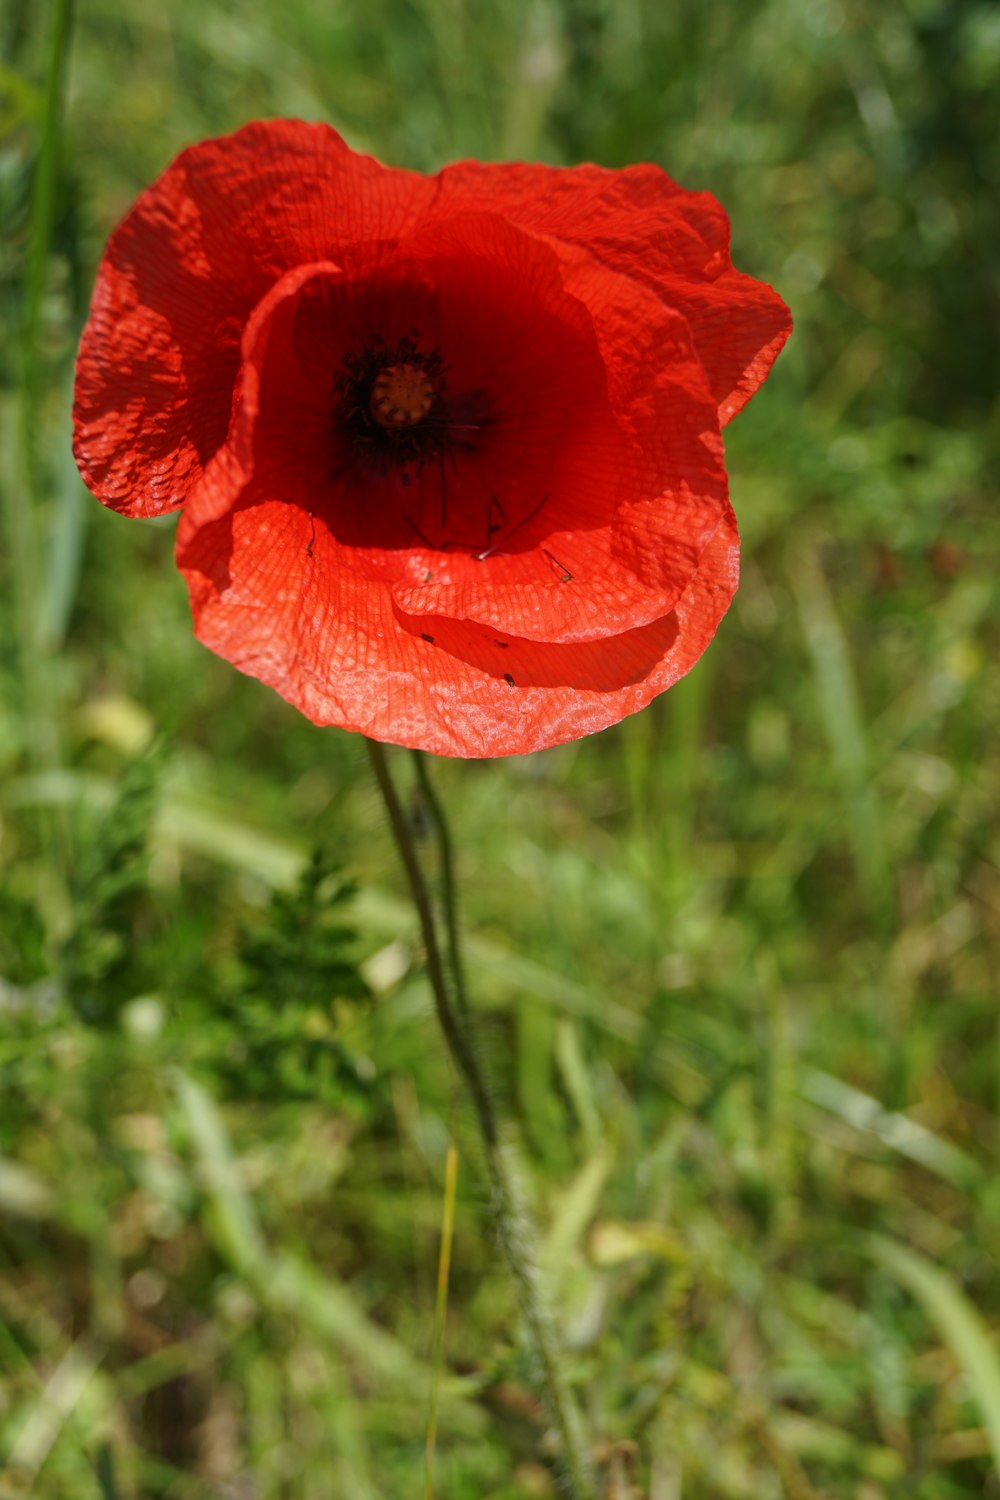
[(389, 402), (402, 395)]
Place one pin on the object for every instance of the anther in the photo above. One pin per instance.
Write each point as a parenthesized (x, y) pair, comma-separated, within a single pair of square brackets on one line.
[(402, 395)]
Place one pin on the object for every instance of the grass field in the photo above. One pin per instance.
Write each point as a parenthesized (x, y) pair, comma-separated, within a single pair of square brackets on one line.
[(736, 958)]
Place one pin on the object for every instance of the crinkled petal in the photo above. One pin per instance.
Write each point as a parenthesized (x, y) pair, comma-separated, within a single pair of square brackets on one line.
[(640, 223), (181, 275), (554, 545), (583, 509), (623, 484), (336, 646)]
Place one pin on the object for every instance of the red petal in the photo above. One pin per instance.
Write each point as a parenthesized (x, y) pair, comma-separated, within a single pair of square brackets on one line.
[(627, 450), (604, 460), (179, 278), (637, 221), (274, 591), (267, 595), (559, 566)]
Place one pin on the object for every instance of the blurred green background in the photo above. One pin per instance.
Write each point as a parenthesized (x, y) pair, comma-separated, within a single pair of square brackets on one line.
[(737, 957)]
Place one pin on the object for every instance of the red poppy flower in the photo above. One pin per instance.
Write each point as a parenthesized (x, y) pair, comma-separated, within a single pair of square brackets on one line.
[(448, 447)]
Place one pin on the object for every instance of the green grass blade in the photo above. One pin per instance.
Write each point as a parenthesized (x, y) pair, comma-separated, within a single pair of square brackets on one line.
[(958, 1323), (893, 1129), (440, 1313), (281, 1281), (106, 1473), (574, 1211), (20, 489), (237, 1231), (56, 1403), (43, 201), (68, 534), (844, 726)]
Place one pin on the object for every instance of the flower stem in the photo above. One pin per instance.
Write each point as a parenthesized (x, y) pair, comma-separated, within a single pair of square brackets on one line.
[(455, 1032), (22, 518), (22, 471), (511, 1219), (448, 895)]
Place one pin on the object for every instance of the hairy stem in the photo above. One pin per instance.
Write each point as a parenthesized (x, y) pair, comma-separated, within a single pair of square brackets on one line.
[(511, 1219), (455, 1033)]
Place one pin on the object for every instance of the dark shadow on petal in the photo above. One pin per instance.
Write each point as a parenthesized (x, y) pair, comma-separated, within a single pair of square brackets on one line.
[(603, 666)]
